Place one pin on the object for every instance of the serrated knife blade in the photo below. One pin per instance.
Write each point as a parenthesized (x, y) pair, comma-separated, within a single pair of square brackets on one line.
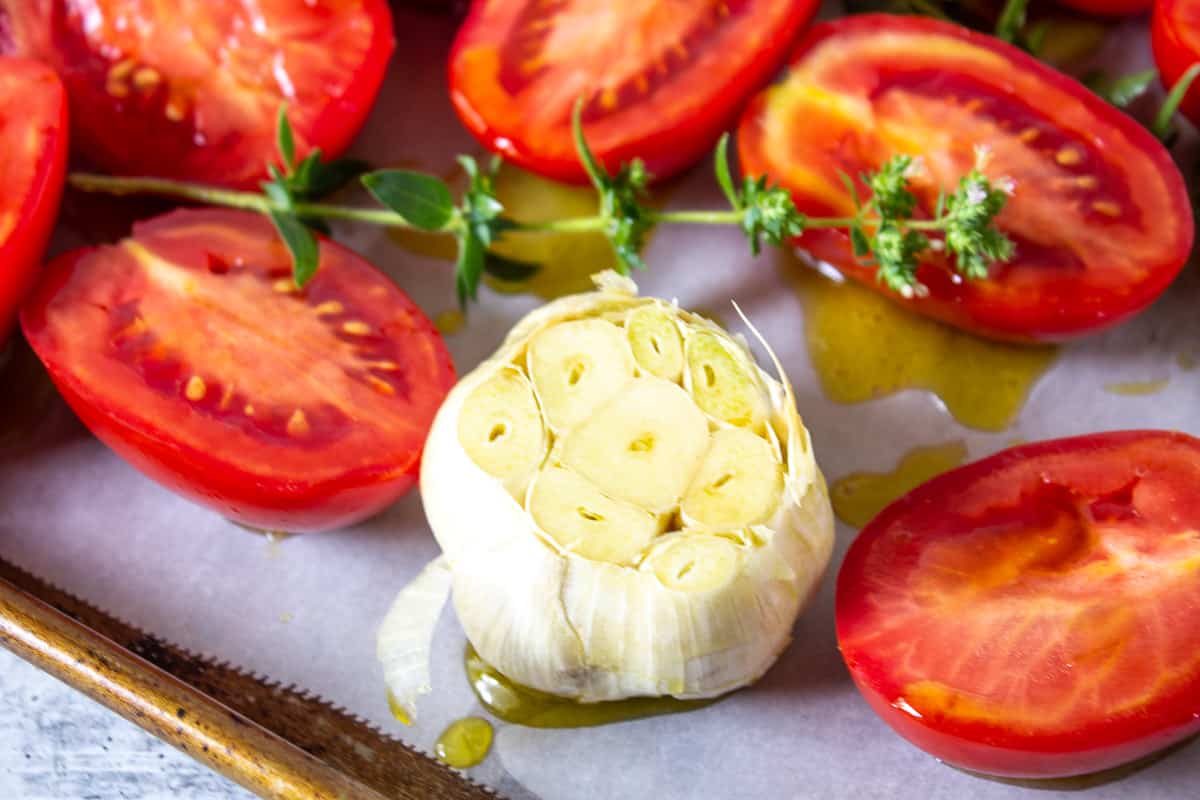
[(277, 741)]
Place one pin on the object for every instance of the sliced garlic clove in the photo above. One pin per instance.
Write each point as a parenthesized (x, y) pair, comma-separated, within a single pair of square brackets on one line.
[(643, 446), (576, 366), (583, 520), (722, 382), (656, 342), (694, 562), (405, 638), (739, 483), (500, 427)]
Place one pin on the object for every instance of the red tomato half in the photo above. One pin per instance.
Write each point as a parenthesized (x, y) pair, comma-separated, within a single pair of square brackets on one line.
[(190, 89), (1100, 214), (1175, 35), (188, 350), (1109, 8), (1034, 614), (661, 79), (33, 153)]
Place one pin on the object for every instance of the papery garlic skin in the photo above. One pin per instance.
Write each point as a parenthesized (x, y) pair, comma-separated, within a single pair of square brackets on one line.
[(696, 612)]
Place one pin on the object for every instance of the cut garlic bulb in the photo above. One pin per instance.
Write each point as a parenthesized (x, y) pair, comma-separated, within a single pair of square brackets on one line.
[(647, 519)]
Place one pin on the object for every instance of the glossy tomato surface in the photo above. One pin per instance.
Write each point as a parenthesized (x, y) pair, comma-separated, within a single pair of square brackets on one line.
[(187, 349), (660, 79), (1100, 214), (1109, 8), (1034, 614), (190, 89), (1175, 36), (33, 152)]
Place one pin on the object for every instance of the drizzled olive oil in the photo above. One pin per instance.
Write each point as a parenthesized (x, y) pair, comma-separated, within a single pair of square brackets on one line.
[(863, 346), (465, 742), (520, 705), (859, 496)]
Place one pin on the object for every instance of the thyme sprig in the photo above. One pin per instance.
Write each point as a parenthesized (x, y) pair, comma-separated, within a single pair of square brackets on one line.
[(885, 229)]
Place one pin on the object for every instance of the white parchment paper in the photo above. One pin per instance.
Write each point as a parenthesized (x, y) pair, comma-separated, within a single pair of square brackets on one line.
[(305, 610)]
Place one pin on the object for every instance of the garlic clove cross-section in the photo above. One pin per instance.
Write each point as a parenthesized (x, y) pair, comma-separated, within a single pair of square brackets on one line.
[(627, 504)]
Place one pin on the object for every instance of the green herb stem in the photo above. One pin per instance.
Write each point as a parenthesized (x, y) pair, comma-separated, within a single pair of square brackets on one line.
[(231, 198)]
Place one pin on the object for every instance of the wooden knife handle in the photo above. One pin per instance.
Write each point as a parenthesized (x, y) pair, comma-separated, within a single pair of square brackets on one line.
[(166, 707)]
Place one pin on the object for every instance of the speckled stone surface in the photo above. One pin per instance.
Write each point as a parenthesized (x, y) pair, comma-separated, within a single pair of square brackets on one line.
[(56, 744)]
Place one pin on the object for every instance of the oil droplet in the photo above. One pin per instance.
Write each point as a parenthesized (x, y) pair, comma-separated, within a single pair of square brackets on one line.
[(22, 411), (398, 710), (859, 496), (1137, 388), (450, 321), (566, 260), (864, 346), (1188, 359), (520, 705), (285, 618), (465, 742)]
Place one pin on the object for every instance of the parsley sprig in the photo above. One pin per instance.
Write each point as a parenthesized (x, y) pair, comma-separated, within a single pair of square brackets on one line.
[(887, 229)]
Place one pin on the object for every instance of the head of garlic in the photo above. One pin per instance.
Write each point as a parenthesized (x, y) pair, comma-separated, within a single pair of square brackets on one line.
[(626, 503)]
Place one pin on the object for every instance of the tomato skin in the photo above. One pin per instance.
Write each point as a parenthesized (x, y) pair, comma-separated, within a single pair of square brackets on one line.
[(667, 139), (1175, 39), (295, 485), (895, 561), (1109, 8), (1069, 277), (193, 116), (21, 248)]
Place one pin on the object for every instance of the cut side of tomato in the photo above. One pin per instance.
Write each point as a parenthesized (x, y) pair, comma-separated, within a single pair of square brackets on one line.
[(660, 79), (1100, 214), (1175, 37), (188, 350), (33, 154), (190, 89), (1034, 614)]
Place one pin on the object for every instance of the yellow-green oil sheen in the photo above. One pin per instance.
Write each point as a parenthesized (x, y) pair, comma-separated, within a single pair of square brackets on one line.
[(859, 496), (864, 346), (520, 705)]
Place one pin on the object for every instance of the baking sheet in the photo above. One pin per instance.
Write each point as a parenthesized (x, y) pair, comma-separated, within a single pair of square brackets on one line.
[(304, 610)]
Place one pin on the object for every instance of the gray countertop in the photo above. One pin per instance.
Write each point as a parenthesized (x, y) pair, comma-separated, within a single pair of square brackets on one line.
[(57, 744)]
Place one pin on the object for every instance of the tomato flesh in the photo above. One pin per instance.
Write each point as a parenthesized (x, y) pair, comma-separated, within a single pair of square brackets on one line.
[(660, 79), (33, 152), (1100, 214), (190, 89), (1033, 614), (188, 350)]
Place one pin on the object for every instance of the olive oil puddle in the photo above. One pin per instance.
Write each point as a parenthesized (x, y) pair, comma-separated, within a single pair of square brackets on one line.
[(566, 261), (28, 392), (519, 705), (858, 497), (863, 346), (1137, 388), (465, 742)]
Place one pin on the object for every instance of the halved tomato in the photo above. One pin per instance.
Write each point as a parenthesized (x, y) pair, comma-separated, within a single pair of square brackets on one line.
[(1100, 214), (660, 79), (1175, 36), (1034, 614), (33, 155), (190, 89), (188, 350)]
